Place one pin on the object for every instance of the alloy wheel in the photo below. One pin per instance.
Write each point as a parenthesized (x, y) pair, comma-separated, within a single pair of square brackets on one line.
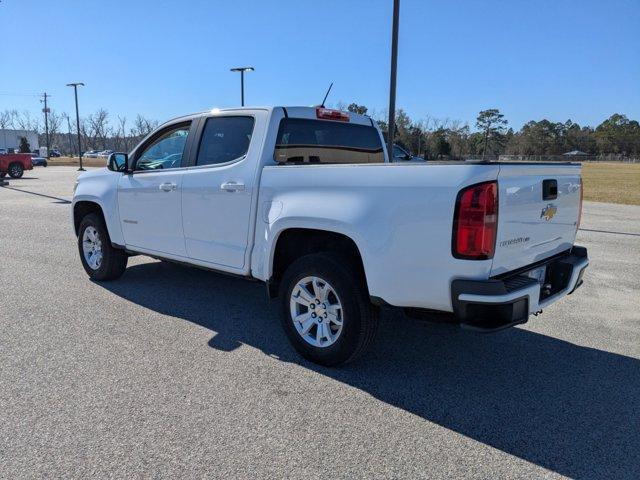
[(316, 311), (92, 247)]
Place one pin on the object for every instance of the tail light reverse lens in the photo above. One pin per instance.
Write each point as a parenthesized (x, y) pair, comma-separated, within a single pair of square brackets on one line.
[(476, 222)]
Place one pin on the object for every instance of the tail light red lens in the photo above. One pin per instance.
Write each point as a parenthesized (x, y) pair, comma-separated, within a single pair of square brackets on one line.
[(475, 222)]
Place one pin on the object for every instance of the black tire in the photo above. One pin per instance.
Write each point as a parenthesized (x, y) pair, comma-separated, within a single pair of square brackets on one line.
[(114, 260), (360, 318), (16, 170)]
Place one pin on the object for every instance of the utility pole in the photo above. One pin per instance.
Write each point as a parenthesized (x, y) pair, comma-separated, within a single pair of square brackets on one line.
[(46, 122), (242, 70), (75, 89), (392, 81)]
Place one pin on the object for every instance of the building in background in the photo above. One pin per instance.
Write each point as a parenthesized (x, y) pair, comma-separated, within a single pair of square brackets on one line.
[(10, 139)]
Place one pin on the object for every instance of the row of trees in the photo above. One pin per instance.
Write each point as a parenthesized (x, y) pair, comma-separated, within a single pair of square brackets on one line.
[(98, 130), (428, 137), (492, 136)]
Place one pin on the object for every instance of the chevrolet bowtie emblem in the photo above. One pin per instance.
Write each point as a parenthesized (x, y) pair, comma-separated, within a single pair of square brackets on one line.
[(548, 212)]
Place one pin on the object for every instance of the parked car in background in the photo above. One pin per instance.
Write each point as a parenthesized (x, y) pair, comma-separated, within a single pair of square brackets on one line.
[(15, 164), (39, 161), (401, 155), (304, 200), (91, 154), (55, 153), (105, 153)]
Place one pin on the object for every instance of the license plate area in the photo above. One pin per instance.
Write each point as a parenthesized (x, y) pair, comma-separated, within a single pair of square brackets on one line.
[(555, 279), (539, 274)]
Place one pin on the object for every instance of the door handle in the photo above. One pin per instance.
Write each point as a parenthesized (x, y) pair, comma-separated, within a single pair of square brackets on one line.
[(232, 186), (167, 187)]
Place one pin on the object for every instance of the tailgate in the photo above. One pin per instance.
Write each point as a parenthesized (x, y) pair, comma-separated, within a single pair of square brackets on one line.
[(534, 222)]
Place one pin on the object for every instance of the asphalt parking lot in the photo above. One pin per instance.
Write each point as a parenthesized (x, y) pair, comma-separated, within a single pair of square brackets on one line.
[(173, 371)]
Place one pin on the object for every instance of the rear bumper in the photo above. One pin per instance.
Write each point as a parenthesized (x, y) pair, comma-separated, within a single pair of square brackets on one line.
[(498, 303)]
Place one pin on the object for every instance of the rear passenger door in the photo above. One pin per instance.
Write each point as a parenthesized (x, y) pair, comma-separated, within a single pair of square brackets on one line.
[(217, 191)]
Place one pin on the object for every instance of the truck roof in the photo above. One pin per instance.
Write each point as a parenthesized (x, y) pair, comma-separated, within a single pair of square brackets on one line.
[(291, 111)]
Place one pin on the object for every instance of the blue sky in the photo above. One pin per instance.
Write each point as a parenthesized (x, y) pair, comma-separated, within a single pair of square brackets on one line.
[(533, 59)]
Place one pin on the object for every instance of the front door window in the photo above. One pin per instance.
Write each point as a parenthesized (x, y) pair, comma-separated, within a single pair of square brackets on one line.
[(166, 151)]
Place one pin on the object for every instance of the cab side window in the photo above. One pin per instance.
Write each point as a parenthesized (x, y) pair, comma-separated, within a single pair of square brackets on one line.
[(166, 150), (224, 139)]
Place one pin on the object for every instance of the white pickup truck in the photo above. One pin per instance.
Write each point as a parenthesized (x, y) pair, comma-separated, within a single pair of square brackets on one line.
[(305, 200)]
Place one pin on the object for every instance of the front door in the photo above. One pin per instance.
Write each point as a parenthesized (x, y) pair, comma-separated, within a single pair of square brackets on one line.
[(217, 192), (149, 198)]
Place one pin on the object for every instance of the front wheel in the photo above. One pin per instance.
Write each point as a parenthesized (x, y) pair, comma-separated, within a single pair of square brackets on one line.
[(326, 312), (16, 170), (100, 260)]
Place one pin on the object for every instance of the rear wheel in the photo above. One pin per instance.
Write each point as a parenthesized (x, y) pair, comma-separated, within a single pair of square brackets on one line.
[(326, 312), (16, 170), (100, 260)]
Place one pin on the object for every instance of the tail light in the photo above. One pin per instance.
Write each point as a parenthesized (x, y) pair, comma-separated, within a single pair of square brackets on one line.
[(580, 206), (328, 114), (475, 222)]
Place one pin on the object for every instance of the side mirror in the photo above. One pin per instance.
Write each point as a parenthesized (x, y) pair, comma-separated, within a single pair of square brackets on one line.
[(118, 162)]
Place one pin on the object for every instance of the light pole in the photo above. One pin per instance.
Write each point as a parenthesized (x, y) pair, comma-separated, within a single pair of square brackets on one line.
[(75, 90), (45, 110), (392, 82), (242, 70)]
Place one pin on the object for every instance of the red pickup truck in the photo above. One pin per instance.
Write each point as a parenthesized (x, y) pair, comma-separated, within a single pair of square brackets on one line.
[(15, 164)]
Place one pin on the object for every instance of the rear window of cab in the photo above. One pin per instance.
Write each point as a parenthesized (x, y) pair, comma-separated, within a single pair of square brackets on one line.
[(302, 141)]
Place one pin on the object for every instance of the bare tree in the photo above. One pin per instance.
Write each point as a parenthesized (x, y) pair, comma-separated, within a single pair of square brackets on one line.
[(121, 138), (24, 121), (143, 126), (5, 119), (341, 106), (98, 126), (12, 118), (459, 138), (67, 120), (87, 140), (55, 121)]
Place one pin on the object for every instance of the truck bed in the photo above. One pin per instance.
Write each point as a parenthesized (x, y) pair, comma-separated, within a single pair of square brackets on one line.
[(401, 218)]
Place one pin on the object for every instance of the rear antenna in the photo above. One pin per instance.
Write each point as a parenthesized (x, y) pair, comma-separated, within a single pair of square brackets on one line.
[(327, 94)]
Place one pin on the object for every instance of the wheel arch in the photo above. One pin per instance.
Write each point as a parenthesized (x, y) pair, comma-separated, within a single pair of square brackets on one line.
[(294, 242), (82, 208)]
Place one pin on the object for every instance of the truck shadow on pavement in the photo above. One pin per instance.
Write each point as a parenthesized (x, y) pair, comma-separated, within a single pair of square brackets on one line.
[(571, 409), (57, 199)]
